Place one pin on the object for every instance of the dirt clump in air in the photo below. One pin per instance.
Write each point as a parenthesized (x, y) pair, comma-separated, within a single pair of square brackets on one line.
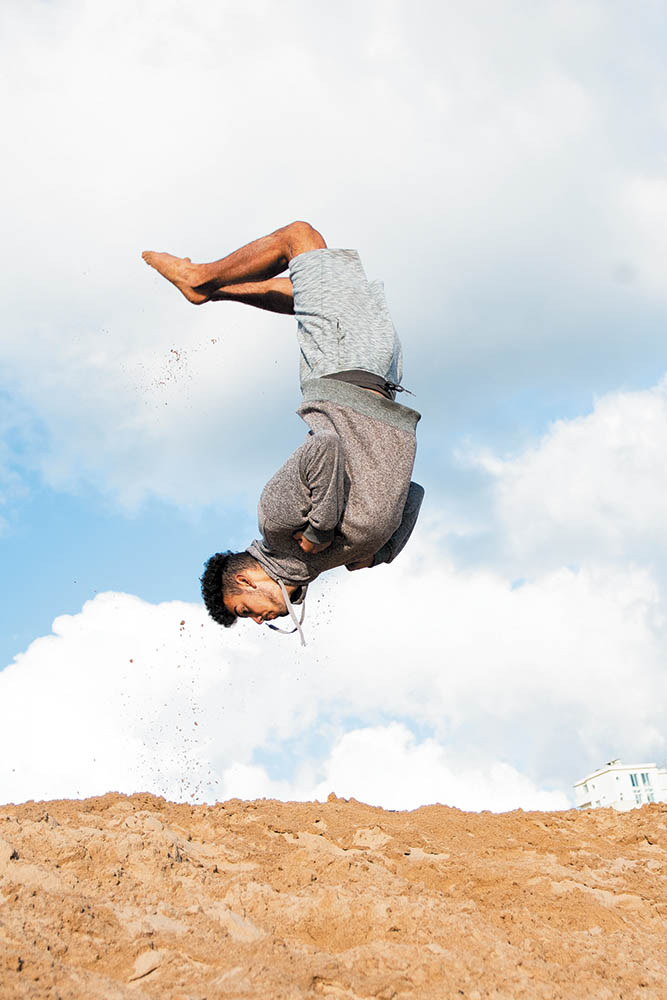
[(132, 896)]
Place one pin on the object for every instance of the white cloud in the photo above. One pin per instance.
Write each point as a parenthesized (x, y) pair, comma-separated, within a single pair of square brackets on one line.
[(531, 686), (592, 490), (444, 141), (389, 767), (643, 207)]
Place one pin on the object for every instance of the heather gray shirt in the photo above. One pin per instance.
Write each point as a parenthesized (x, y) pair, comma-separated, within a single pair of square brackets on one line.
[(349, 482)]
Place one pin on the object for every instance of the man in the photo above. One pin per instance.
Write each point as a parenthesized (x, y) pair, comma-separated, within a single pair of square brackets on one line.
[(344, 498)]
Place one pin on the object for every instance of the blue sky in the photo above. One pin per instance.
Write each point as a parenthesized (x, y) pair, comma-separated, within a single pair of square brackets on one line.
[(501, 166)]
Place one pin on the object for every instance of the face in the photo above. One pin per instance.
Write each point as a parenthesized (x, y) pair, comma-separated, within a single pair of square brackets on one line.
[(259, 600)]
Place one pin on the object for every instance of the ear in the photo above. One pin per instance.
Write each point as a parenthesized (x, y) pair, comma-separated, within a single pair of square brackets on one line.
[(245, 581)]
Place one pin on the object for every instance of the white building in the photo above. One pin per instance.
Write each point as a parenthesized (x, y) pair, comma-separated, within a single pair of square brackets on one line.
[(622, 786)]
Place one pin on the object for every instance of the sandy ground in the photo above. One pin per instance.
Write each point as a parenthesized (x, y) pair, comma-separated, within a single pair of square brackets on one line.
[(128, 897)]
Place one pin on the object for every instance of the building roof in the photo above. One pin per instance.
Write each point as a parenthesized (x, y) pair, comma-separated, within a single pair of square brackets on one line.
[(616, 765)]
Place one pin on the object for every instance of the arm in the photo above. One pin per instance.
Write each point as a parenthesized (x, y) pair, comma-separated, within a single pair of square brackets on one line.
[(321, 468), (398, 540), (396, 543)]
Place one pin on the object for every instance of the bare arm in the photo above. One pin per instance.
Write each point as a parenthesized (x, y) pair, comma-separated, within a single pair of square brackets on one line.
[(275, 295)]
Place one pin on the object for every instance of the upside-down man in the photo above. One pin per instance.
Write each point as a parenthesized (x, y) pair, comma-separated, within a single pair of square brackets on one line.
[(345, 497)]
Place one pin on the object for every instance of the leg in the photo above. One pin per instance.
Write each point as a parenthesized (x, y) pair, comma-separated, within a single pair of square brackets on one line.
[(255, 262), (275, 295)]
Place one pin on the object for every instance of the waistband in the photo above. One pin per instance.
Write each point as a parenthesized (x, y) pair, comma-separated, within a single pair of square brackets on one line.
[(368, 403)]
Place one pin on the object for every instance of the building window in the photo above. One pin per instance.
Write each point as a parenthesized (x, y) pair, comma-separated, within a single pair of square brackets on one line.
[(650, 796), (638, 797), (646, 778), (634, 778)]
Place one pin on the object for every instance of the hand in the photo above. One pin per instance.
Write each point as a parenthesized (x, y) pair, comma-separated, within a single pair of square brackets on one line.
[(360, 564), (310, 548)]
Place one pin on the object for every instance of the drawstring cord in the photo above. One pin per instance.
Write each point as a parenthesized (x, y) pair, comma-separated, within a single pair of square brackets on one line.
[(297, 622), (398, 388)]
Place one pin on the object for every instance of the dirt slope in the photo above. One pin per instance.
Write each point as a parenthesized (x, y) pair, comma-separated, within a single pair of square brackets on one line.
[(128, 897)]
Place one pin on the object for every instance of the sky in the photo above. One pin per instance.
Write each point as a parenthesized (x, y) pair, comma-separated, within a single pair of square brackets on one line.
[(501, 166)]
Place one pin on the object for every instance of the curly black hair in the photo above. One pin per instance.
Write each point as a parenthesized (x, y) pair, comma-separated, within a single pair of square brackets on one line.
[(218, 579)]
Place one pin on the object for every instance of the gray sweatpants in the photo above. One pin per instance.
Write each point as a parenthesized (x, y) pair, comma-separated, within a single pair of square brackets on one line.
[(343, 319)]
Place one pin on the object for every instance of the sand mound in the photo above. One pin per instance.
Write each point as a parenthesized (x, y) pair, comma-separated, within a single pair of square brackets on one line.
[(121, 897)]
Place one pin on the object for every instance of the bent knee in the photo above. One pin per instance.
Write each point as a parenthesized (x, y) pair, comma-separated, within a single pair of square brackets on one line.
[(301, 236)]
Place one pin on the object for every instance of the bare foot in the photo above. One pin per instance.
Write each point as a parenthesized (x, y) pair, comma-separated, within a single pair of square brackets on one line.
[(180, 271)]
